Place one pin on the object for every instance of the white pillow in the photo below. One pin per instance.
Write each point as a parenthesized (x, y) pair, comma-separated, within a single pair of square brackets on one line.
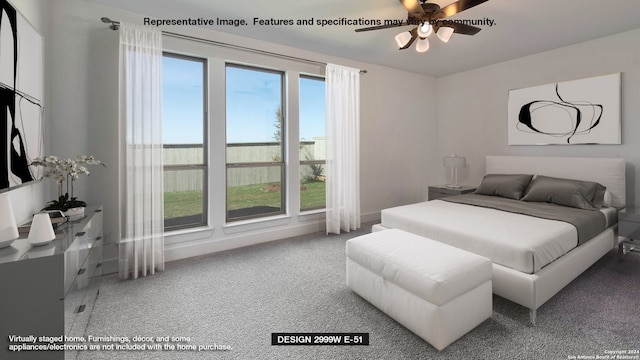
[(606, 202)]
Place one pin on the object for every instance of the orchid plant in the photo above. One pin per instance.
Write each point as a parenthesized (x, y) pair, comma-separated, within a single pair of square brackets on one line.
[(65, 172)]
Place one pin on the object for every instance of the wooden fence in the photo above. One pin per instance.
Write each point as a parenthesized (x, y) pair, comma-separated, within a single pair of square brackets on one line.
[(192, 179)]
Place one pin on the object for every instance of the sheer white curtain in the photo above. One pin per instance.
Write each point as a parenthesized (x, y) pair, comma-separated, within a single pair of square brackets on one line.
[(142, 245), (342, 92)]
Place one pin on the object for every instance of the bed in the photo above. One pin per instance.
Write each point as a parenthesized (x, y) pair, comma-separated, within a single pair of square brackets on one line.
[(534, 256)]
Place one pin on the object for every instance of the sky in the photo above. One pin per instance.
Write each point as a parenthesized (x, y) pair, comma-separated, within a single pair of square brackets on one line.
[(252, 101)]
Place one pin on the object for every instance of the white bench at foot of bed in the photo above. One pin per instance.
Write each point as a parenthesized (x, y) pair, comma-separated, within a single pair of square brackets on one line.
[(435, 290)]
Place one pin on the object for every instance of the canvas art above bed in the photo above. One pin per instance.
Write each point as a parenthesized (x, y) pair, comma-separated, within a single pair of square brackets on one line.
[(585, 111)]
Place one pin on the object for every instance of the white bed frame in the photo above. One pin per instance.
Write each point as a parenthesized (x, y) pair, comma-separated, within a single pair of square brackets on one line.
[(533, 290)]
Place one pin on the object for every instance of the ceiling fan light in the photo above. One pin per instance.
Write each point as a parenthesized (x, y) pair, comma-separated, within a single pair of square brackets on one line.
[(422, 45), (444, 33), (403, 38), (425, 29)]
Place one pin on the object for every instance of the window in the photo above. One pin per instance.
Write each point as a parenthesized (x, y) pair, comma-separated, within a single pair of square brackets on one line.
[(255, 142), (185, 146), (312, 143)]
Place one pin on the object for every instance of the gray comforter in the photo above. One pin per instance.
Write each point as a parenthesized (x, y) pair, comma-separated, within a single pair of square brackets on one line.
[(588, 223)]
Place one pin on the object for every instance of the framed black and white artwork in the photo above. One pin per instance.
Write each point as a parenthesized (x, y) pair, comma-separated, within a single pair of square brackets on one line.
[(21, 94), (585, 111)]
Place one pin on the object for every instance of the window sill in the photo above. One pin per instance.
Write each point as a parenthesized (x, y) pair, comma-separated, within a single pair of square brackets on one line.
[(257, 223), (312, 215), (187, 234)]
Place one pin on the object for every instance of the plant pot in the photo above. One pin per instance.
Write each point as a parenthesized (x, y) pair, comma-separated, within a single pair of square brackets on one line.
[(75, 213)]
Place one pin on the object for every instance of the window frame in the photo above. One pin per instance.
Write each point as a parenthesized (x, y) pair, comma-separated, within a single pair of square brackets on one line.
[(283, 148), (303, 163), (174, 223)]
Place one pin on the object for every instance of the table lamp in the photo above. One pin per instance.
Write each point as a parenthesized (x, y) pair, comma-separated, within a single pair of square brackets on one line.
[(8, 227), (454, 162)]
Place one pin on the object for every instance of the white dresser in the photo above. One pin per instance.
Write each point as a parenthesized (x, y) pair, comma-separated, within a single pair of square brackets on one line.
[(50, 290)]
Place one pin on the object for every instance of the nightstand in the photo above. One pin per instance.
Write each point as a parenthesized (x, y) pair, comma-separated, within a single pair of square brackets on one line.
[(629, 227), (440, 191)]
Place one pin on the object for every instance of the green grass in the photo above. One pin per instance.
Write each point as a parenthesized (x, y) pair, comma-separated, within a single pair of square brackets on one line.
[(186, 203), (182, 203), (314, 196)]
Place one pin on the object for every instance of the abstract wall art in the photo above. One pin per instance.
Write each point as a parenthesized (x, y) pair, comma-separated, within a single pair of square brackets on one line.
[(21, 91), (585, 111)]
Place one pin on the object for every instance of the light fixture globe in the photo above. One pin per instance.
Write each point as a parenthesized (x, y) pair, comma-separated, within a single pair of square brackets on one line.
[(403, 39), (444, 33), (422, 45), (425, 29)]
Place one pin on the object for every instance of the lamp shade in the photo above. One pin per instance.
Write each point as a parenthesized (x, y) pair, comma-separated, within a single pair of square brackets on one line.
[(444, 33), (41, 232), (454, 161), (422, 45), (403, 38), (8, 227)]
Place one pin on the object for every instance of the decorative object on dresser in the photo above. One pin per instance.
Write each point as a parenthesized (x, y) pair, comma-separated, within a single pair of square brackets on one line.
[(50, 290), (41, 232), (65, 172), (454, 162), (629, 227), (8, 227), (55, 216), (440, 191)]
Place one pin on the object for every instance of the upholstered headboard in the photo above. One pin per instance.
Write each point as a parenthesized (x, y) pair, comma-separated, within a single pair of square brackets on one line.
[(609, 172)]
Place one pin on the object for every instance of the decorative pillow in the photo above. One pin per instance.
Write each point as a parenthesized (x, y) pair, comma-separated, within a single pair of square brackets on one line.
[(567, 192), (600, 195), (504, 185)]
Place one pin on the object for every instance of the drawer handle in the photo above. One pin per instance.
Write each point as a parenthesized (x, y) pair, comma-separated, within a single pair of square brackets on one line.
[(81, 308), (99, 210), (81, 233), (99, 238), (81, 271), (99, 265)]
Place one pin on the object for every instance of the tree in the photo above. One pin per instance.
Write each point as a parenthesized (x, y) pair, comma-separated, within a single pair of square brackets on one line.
[(277, 136)]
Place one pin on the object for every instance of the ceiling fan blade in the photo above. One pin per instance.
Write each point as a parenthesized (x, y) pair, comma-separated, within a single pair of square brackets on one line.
[(404, 23), (413, 7), (414, 36), (463, 29), (459, 6)]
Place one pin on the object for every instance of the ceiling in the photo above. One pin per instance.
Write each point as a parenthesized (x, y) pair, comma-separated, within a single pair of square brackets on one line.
[(522, 27)]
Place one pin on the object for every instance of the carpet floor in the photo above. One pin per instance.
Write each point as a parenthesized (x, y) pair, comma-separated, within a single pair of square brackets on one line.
[(237, 299)]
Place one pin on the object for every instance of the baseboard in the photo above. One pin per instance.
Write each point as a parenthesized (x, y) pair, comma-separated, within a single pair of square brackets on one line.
[(109, 266), (370, 217)]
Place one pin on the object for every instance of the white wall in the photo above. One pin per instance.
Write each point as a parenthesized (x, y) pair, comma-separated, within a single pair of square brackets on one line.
[(398, 128), (472, 105)]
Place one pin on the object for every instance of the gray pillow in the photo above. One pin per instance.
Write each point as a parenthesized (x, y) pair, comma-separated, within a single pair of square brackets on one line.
[(510, 186), (566, 192)]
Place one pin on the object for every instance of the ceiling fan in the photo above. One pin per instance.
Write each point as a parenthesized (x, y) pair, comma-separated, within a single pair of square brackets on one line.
[(429, 18)]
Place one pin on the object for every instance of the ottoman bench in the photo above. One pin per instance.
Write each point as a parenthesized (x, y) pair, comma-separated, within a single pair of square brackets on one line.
[(435, 290)]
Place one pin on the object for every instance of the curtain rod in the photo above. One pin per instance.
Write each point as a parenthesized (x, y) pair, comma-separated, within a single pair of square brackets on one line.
[(115, 25)]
